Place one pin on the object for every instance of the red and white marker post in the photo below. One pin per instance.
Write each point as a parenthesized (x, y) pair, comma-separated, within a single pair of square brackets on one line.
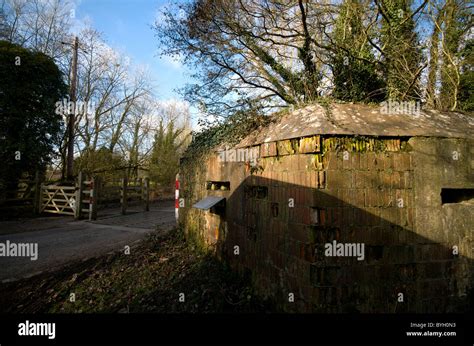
[(176, 201)]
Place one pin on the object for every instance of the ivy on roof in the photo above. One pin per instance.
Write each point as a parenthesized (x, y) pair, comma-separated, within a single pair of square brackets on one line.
[(229, 132)]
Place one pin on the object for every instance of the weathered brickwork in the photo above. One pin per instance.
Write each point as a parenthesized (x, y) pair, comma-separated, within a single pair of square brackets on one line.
[(305, 193)]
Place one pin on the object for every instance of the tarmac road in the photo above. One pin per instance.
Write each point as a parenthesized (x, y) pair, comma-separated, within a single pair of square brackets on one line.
[(61, 240)]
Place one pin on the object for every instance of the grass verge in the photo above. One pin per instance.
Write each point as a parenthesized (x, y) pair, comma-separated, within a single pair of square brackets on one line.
[(150, 279)]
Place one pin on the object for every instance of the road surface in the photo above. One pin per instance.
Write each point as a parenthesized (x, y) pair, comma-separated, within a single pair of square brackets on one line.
[(61, 240)]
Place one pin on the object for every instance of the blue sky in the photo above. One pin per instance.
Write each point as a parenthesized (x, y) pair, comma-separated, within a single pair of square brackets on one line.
[(126, 26)]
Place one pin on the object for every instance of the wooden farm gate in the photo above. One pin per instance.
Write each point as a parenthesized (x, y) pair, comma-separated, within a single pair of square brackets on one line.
[(135, 191), (87, 197), (58, 199), (82, 199), (77, 201)]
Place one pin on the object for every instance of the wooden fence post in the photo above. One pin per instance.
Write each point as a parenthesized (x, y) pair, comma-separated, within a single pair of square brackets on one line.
[(97, 193), (123, 195), (78, 204), (40, 198), (37, 195), (146, 193), (94, 197)]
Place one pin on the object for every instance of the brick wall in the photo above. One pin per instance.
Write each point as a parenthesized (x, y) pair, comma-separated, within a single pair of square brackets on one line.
[(305, 193)]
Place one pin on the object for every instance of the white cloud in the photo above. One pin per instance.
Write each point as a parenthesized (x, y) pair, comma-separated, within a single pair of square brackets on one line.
[(174, 103), (174, 62), (165, 110), (196, 115), (80, 24)]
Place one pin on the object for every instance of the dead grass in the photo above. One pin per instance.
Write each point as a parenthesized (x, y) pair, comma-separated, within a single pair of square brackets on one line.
[(150, 279)]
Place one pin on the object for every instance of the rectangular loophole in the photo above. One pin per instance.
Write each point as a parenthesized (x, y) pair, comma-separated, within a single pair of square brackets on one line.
[(256, 191), (457, 195), (315, 216), (275, 211), (218, 185)]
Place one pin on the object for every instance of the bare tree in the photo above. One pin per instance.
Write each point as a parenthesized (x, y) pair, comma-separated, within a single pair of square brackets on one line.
[(37, 24), (451, 26), (108, 90), (251, 53)]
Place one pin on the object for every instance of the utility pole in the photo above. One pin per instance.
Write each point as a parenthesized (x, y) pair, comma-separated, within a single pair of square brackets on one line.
[(72, 115)]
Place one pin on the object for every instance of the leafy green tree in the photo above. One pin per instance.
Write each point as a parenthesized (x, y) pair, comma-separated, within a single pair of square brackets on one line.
[(354, 70), (101, 162), (30, 130), (466, 83), (401, 49), (167, 149)]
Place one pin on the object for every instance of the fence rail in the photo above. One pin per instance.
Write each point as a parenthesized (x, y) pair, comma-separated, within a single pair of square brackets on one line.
[(135, 190), (58, 199), (75, 200), (26, 193), (82, 199)]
